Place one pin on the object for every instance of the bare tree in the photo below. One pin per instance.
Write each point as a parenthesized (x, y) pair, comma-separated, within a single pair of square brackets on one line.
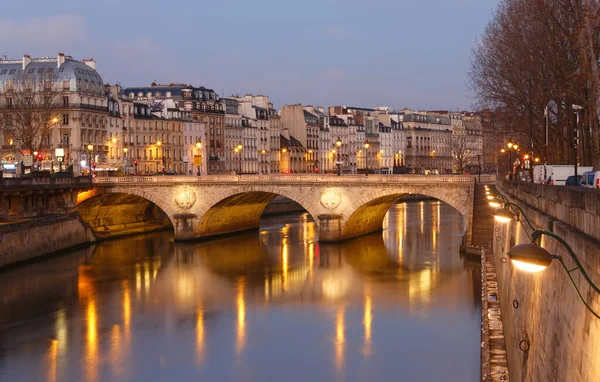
[(460, 153), (539, 53), (29, 106)]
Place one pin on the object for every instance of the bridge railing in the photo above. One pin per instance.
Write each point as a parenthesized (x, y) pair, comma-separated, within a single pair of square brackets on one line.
[(295, 178)]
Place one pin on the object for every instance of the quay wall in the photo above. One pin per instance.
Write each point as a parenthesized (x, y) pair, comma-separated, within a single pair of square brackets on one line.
[(550, 335), (42, 236)]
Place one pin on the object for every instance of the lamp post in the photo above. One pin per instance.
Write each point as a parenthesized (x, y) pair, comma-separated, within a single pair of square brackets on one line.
[(576, 109), (338, 144), (90, 147), (199, 148), (125, 150), (238, 150), (366, 146)]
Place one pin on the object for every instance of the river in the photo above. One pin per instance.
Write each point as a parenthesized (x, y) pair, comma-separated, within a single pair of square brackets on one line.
[(273, 305)]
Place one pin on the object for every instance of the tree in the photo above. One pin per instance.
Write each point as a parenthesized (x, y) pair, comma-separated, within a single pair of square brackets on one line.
[(29, 106), (460, 153), (539, 53)]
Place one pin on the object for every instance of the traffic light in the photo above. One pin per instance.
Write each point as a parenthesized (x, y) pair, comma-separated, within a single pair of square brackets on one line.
[(135, 162), (40, 156)]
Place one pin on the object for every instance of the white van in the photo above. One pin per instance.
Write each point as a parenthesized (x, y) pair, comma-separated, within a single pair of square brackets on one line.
[(560, 173), (591, 179)]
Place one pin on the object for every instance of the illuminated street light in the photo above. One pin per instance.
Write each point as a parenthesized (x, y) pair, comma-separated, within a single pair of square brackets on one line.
[(503, 215), (531, 257), (158, 143), (490, 197), (199, 145), (114, 140), (90, 147), (495, 204)]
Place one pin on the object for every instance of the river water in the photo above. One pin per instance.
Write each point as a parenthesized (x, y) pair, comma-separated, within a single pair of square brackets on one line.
[(276, 305)]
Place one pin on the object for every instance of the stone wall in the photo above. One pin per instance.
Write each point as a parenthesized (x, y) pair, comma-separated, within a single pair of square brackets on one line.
[(550, 334), (42, 236)]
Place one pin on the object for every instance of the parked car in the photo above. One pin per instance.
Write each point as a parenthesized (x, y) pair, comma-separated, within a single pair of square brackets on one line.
[(591, 179), (571, 180)]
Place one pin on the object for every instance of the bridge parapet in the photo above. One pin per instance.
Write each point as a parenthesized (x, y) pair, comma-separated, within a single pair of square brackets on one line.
[(399, 179)]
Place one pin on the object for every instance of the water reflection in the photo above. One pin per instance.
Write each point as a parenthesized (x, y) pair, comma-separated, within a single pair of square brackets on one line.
[(236, 307)]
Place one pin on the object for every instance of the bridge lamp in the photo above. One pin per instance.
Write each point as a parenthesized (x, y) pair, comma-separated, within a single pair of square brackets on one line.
[(263, 151), (516, 147), (487, 192), (114, 140), (158, 143), (338, 143), (333, 151), (90, 147), (284, 150), (537, 160), (239, 146), (494, 204), (199, 144), (55, 120), (503, 215), (490, 197), (509, 144), (502, 151), (531, 257), (125, 149), (367, 145)]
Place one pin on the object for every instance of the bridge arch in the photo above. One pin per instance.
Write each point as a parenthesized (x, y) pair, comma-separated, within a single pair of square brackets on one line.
[(117, 212), (240, 208), (366, 213)]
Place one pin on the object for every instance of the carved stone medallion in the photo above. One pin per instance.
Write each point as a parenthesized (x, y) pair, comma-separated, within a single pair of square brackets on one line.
[(185, 198), (330, 198)]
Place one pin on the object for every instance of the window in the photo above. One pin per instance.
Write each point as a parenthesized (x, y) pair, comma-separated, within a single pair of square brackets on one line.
[(3, 71), (65, 119), (31, 70), (41, 70), (65, 139), (12, 71), (66, 101)]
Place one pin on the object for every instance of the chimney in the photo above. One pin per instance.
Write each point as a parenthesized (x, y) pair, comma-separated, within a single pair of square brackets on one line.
[(90, 62), (60, 60), (26, 60)]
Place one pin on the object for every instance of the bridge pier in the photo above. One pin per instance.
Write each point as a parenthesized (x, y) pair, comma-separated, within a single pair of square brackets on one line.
[(330, 228)]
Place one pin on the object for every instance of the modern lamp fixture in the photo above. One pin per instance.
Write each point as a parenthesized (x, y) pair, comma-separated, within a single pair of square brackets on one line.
[(531, 257)]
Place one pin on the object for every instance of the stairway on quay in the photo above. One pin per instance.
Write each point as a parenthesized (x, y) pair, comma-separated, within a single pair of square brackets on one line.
[(483, 219)]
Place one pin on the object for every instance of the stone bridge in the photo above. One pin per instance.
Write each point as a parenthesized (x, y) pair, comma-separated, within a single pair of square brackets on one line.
[(342, 206)]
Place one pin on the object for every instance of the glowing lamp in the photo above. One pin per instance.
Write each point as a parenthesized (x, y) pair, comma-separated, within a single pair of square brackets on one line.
[(503, 215), (490, 197), (530, 257), (495, 204)]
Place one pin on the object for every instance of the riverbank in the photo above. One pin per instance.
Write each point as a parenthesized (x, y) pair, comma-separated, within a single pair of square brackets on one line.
[(42, 236)]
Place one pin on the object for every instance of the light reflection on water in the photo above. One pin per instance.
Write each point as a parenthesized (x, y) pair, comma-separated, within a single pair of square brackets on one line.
[(277, 305)]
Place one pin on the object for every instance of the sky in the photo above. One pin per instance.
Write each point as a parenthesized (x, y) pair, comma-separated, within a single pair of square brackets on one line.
[(397, 53)]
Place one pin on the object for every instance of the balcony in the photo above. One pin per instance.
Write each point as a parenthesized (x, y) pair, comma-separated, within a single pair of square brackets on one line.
[(86, 106)]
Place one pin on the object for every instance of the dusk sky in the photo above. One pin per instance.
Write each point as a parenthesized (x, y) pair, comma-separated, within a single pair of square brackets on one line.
[(402, 53)]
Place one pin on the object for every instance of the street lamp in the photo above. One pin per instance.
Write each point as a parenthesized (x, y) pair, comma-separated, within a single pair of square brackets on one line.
[(199, 148), (531, 257), (237, 150), (338, 144), (90, 147), (125, 150), (366, 146)]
